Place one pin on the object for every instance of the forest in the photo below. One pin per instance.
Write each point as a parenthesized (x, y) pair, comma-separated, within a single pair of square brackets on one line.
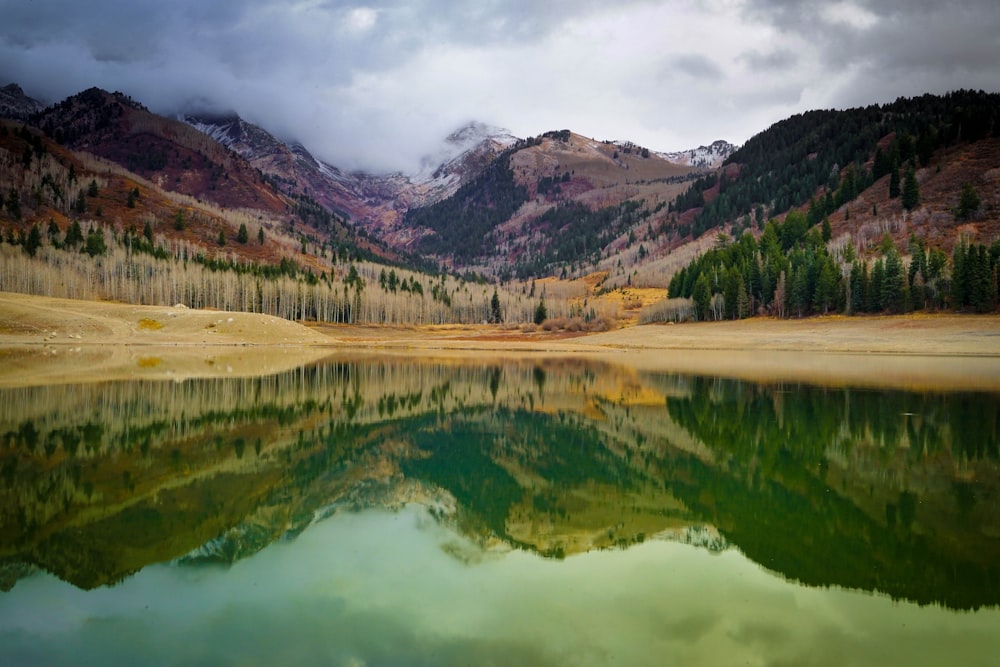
[(790, 271), (784, 166)]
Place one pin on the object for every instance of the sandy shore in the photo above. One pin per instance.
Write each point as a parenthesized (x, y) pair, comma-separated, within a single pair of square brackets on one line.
[(45, 340)]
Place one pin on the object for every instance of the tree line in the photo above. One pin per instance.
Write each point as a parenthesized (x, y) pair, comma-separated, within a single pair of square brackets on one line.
[(791, 271)]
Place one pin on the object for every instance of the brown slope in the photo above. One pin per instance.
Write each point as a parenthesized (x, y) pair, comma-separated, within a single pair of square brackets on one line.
[(167, 152)]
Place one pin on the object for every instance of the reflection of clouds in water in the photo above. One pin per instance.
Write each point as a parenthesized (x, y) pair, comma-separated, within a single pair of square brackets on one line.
[(377, 588)]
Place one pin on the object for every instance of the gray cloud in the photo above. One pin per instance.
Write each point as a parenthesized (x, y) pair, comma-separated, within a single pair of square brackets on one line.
[(777, 60), (378, 84), (695, 65)]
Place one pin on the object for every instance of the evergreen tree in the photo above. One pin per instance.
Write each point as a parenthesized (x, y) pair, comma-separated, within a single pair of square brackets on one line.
[(873, 302), (260, 235), (731, 292), (74, 235), (34, 241), (701, 295), (959, 277), (92, 189), (222, 237), (827, 287), (242, 235), (541, 313), (894, 182), (968, 203), (982, 294), (147, 231), (893, 284), (911, 190), (859, 280), (827, 230), (95, 242), (14, 204), (496, 316)]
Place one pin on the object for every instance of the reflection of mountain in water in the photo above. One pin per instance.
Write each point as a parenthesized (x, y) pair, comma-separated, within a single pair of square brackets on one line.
[(887, 491)]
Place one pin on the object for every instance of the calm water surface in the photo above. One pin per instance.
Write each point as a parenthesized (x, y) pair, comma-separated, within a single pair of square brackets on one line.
[(378, 512)]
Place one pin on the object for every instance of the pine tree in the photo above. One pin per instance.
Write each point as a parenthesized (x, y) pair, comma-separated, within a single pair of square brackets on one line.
[(34, 241), (959, 278), (873, 302), (95, 242), (893, 284), (260, 235), (541, 313), (894, 182), (968, 203), (496, 316), (14, 204), (859, 280), (74, 235), (242, 235), (701, 296), (827, 230), (826, 287), (911, 190)]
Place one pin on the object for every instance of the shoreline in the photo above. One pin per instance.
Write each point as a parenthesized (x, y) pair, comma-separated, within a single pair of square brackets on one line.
[(46, 341)]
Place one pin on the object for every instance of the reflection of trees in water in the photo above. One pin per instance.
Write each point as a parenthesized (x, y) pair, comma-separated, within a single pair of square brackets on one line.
[(69, 452), (866, 489), (825, 485)]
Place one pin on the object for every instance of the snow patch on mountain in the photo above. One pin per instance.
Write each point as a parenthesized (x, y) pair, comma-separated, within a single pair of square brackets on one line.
[(230, 130), (710, 156)]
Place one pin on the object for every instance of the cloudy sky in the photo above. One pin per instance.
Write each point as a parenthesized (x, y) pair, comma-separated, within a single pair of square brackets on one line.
[(378, 84)]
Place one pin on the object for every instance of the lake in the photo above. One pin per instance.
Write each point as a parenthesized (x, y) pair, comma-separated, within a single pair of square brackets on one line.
[(377, 510)]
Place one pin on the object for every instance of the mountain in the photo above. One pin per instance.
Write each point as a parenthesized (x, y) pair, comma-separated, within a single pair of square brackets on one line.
[(15, 104), (558, 203), (610, 213), (711, 156), (173, 155)]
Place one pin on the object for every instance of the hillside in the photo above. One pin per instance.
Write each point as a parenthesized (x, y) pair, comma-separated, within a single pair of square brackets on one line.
[(375, 203), (881, 209)]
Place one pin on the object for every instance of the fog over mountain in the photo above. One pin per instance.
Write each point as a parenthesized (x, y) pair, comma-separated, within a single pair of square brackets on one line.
[(377, 85)]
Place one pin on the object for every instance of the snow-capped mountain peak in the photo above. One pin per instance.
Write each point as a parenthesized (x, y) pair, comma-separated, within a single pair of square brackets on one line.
[(475, 137), (710, 156)]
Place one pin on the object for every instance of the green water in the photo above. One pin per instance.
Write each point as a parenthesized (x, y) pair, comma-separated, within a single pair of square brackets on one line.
[(378, 512)]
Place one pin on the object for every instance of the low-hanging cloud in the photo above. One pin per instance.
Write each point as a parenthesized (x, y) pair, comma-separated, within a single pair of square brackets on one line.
[(378, 84)]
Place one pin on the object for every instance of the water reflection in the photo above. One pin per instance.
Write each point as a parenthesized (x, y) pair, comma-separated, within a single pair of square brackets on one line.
[(895, 492)]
